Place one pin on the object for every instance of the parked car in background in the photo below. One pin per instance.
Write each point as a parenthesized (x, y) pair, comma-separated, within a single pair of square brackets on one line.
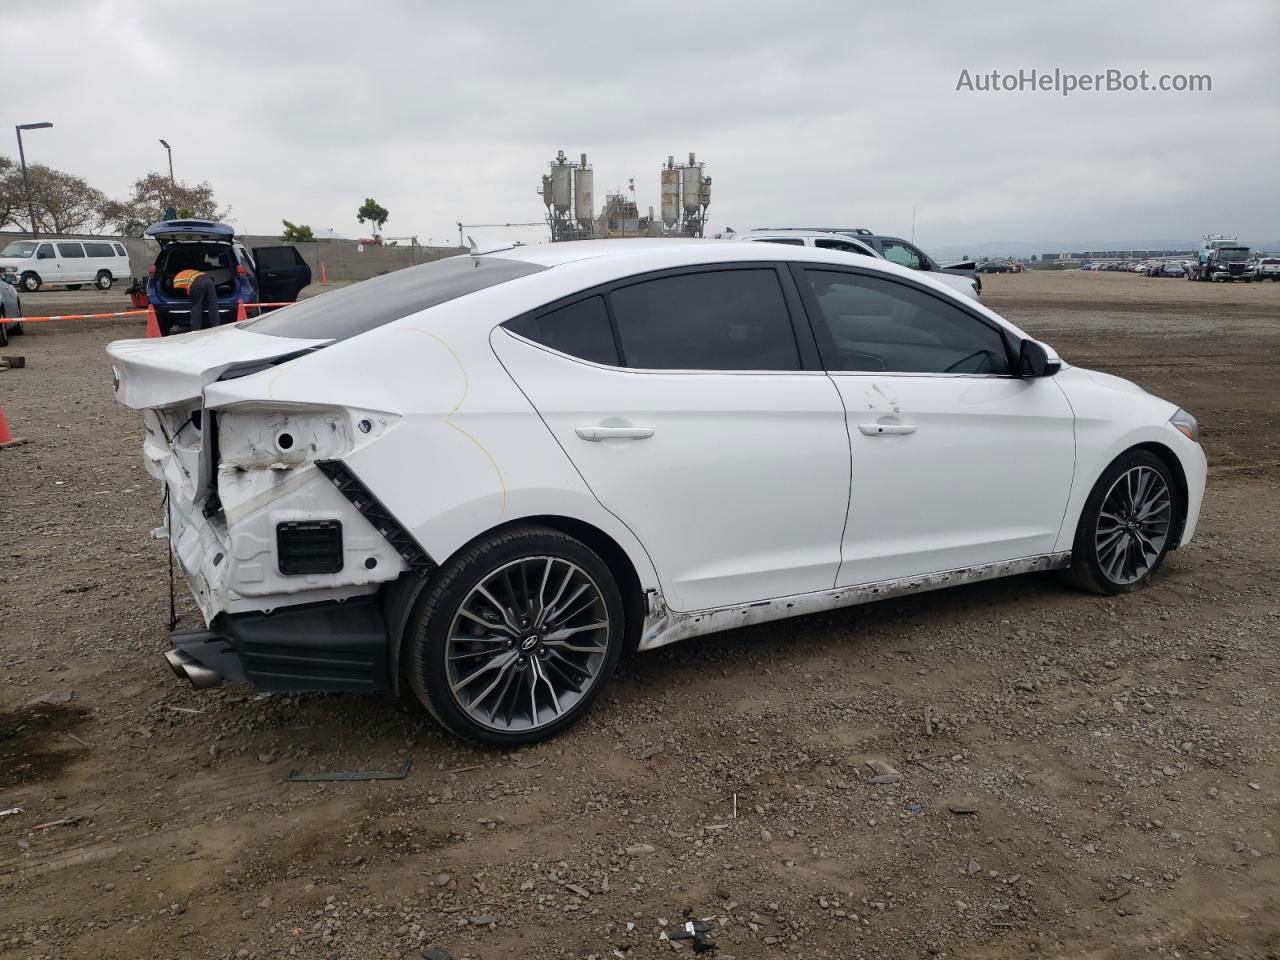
[(10, 307), (71, 263), (840, 241), (996, 266), (899, 251), (1170, 268), (483, 478), (275, 274), (1266, 268)]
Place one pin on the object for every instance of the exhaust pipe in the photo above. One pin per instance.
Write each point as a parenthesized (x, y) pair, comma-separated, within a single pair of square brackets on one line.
[(186, 667)]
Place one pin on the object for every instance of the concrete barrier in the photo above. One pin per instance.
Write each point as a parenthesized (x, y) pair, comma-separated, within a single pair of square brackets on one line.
[(344, 261)]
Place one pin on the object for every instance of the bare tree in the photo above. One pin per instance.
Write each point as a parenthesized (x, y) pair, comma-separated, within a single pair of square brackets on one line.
[(152, 196)]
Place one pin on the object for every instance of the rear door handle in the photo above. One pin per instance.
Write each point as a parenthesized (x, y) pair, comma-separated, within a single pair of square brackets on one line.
[(886, 429), (596, 434)]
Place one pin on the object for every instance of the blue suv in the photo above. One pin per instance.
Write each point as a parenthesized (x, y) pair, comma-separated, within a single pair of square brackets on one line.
[(274, 274)]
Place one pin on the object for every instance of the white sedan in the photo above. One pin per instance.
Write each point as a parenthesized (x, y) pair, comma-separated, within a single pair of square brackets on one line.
[(488, 476)]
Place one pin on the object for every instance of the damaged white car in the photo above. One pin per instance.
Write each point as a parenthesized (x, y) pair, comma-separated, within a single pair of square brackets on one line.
[(488, 476)]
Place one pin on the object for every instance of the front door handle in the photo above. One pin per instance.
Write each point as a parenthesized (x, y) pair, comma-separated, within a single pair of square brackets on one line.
[(886, 429), (596, 434)]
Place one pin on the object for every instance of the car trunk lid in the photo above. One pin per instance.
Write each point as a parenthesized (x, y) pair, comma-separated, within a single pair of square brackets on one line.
[(163, 372)]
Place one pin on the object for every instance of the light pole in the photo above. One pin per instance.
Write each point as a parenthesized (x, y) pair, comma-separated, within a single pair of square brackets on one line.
[(165, 143), (26, 184)]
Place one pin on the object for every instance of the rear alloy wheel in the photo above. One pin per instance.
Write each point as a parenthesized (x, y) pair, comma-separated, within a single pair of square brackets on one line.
[(103, 280), (516, 638), (1127, 525)]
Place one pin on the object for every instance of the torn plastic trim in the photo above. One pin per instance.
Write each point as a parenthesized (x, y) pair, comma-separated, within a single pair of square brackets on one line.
[(372, 509), (663, 625)]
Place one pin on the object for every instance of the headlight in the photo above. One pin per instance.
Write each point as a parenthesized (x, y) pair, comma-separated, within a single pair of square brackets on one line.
[(1186, 424)]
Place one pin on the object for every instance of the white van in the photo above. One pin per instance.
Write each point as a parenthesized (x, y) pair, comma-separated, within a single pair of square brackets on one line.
[(70, 263)]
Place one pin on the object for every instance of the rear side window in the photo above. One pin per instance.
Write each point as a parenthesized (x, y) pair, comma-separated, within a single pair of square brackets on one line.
[(353, 310), (71, 251), (714, 320), (277, 258), (98, 250), (581, 330), (845, 245), (120, 252)]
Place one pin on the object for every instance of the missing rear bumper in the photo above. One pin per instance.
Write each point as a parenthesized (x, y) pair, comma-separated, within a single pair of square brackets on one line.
[(322, 646)]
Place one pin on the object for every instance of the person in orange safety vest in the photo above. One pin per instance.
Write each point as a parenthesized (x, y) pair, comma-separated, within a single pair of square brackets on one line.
[(203, 295)]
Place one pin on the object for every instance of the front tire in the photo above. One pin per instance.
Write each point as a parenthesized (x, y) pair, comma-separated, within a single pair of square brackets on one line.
[(30, 282), (516, 638), (1127, 526)]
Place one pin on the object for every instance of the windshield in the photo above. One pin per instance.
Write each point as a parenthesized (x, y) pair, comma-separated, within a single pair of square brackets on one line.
[(19, 248), (371, 303), (1233, 253)]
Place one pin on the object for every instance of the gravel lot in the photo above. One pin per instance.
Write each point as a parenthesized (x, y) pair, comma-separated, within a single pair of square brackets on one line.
[(1101, 776)]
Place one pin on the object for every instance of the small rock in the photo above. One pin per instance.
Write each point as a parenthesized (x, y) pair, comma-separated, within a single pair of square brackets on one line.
[(974, 868), (1255, 786), (484, 920), (265, 903), (765, 835), (723, 892), (652, 751), (213, 751), (268, 757), (51, 699), (961, 809), (639, 849), (442, 880), (885, 778), (1169, 771), (1148, 708), (436, 953)]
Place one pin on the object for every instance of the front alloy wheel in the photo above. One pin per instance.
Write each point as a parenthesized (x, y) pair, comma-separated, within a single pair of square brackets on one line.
[(516, 638), (1127, 525)]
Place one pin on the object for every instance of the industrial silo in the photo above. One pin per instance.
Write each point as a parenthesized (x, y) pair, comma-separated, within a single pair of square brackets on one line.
[(692, 188), (670, 193), (561, 188), (583, 196)]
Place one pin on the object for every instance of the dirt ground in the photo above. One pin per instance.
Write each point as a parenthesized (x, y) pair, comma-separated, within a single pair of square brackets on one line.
[(1119, 755)]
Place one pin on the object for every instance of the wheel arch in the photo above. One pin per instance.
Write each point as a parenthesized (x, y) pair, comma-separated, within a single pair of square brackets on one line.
[(401, 596)]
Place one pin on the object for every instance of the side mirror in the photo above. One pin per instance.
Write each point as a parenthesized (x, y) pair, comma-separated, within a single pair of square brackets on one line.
[(1033, 361)]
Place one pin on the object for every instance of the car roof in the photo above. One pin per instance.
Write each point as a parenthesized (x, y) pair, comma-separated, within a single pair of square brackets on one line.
[(761, 232)]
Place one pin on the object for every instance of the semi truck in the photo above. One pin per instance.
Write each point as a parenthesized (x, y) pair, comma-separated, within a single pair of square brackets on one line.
[(1220, 258)]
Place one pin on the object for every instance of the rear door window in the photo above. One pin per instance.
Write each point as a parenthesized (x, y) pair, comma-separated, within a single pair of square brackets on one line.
[(580, 329), (98, 249), (71, 251), (278, 258), (709, 320), (353, 310)]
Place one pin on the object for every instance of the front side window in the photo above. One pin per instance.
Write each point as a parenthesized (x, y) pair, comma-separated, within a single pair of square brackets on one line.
[(845, 245), (581, 330), (71, 251), (711, 320), (883, 326), (46, 252), (897, 252)]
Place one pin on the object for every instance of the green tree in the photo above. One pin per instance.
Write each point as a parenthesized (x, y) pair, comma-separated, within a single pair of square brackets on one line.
[(152, 195), (297, 233), (373, 212)]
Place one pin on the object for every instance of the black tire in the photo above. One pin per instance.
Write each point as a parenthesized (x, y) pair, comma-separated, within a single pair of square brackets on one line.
[(428, 629), (30, 282), (1087, 568), (103, 280)]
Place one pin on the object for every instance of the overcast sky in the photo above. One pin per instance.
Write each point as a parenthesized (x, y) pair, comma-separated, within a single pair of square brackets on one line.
[(835, 113)]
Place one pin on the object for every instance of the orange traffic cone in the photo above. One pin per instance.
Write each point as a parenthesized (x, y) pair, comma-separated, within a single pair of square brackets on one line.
[(324, 276), (241, 313), (7, 439), (153, 325)]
